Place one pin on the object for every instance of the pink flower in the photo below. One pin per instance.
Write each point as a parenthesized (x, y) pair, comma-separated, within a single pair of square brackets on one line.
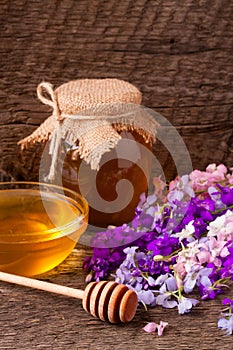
[(152, 326), (230, 178), (204, 256), (217, 248), (218, 172), (200, 180), (222, 227), (159, 185), (179, 268), (161, 327)]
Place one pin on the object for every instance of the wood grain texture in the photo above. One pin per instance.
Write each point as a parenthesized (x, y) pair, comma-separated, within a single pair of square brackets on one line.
[(178, 53)]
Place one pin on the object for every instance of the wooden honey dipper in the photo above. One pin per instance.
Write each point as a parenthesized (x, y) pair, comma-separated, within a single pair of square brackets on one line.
[(108, 301)]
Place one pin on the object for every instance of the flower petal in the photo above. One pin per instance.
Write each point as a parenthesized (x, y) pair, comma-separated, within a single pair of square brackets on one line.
[(150, 327), (161, 327)]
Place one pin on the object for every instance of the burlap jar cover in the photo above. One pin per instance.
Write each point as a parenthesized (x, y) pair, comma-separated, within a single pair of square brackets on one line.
[(90, 113)]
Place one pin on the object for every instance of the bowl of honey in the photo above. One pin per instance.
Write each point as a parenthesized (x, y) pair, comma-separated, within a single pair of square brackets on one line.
[(40, 224)]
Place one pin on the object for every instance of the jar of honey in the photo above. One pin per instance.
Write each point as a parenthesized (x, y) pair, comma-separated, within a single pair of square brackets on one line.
[(100, 145)]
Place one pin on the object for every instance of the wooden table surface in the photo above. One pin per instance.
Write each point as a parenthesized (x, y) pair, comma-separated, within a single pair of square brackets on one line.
[(33, 319)]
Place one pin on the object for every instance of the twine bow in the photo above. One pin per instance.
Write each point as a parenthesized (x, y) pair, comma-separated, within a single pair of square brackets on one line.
[(55, 141), (48, 88)]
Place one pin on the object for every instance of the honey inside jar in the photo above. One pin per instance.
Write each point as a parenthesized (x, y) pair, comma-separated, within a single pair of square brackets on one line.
[(132, 163), (37, 232)]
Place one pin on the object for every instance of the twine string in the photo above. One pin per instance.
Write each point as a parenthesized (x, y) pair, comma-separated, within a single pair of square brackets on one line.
[(52, 101), (45, 90)]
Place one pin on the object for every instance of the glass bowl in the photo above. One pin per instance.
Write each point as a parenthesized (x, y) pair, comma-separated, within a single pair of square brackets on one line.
[(40, 224)]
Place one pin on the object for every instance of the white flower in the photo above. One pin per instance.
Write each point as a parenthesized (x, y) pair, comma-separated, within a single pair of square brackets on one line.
[(215, 226), (186, 304), (226, 324), (187, 232), (222, 227)]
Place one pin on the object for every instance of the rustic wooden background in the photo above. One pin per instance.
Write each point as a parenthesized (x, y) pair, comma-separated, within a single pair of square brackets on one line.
[(179, 54)]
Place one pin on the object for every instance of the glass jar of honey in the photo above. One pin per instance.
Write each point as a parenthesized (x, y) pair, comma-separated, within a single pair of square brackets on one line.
[(100, 145)]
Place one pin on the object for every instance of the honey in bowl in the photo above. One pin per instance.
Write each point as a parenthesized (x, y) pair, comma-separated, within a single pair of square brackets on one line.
[(39, 226)]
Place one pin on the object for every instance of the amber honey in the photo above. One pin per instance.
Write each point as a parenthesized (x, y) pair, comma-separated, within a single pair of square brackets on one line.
[(37, 230), (112, 170)]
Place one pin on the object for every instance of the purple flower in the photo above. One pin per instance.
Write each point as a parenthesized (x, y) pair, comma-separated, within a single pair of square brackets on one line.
[(167, 285), (206, 289), (143, 220), (166, 282), (164, 299), (130, 255), (227, 265), (102, 262), (146, 297), (197, 276), (163, 245), (226, 195), (123, 275), (228, 301), (180, 188)]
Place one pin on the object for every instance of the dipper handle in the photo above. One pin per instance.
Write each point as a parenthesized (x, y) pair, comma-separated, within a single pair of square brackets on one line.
[(108, 301), (45, 286)]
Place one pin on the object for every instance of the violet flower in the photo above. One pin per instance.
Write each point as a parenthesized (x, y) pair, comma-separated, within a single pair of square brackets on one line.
[(227, 301), (165, 300), (226, 322), (206, 289), (166, 291), (226, 195), (197, 277), (146, 297)]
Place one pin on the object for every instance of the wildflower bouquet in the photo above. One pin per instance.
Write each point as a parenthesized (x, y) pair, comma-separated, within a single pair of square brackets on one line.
[(180, 239)]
